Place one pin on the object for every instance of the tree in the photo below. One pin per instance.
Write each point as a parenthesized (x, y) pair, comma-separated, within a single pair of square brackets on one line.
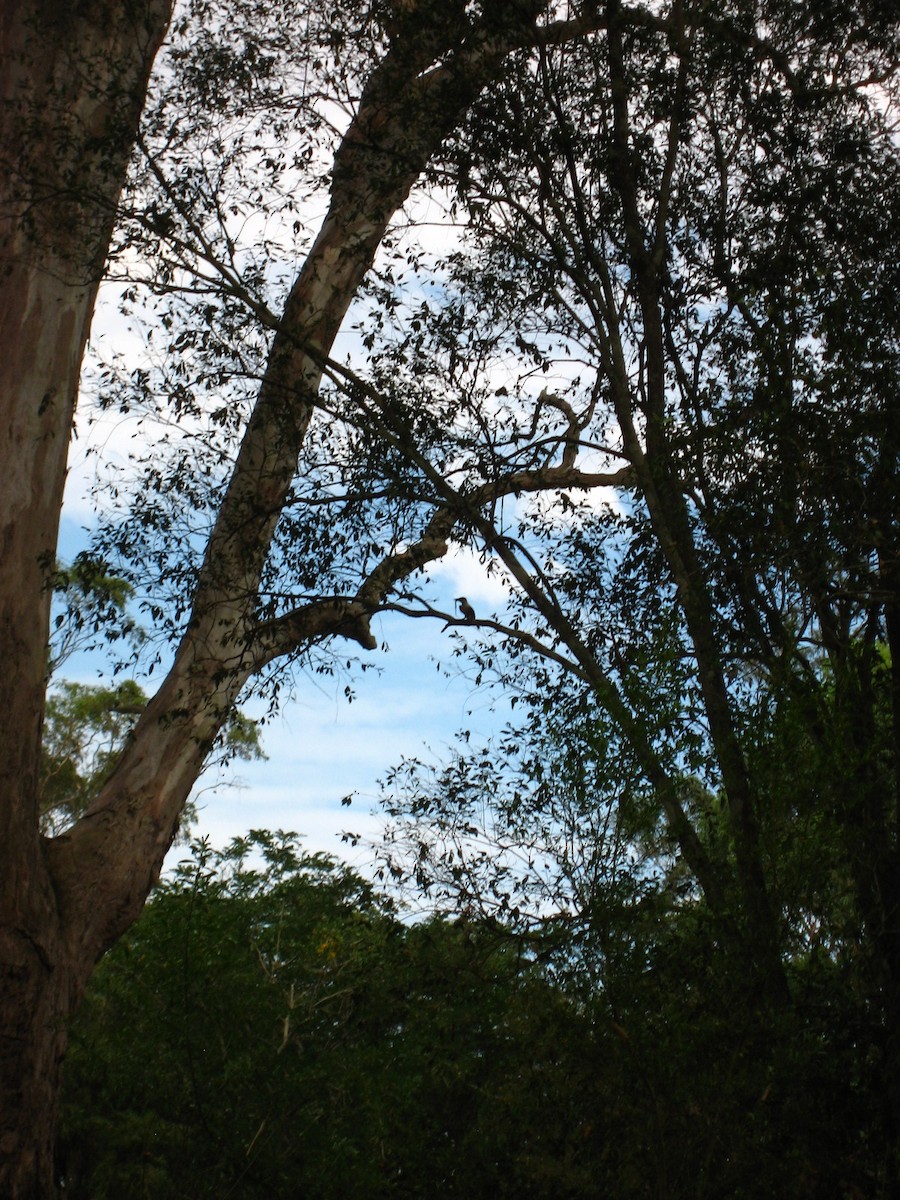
[(690, 213), (676, 222), (270, 1026), (629, 184), (565, 846), (74, 83), (672, 227)]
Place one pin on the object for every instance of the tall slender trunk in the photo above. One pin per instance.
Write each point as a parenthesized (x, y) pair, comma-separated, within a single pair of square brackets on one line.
[(663, 491), (72, 87)]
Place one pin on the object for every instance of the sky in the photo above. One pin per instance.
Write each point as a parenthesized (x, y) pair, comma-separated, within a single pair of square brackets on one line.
[(322, 748)]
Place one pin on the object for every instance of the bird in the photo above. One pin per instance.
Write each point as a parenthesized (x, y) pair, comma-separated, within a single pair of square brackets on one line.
[(465, 608)]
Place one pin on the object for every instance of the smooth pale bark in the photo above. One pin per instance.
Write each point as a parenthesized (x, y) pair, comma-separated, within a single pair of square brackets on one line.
[(74, 78), (73, 81)]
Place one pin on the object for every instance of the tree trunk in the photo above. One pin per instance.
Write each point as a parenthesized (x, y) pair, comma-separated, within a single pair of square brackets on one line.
[(74, 76)]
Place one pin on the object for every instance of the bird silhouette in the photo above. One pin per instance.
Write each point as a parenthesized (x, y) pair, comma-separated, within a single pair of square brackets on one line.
[(465, 608)]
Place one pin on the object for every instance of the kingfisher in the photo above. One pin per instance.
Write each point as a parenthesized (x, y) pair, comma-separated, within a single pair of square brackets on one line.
[(465, 608)]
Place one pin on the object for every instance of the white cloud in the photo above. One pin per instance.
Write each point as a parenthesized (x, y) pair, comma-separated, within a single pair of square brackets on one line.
[(464, 572)]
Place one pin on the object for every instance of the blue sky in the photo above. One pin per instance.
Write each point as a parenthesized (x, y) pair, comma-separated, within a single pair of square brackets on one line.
[(321, 748)]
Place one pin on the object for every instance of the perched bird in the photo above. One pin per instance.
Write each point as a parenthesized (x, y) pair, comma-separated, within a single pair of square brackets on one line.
[(465, 608)]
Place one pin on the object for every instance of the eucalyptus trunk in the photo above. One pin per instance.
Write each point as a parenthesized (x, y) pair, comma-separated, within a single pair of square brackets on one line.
[(72, 87)]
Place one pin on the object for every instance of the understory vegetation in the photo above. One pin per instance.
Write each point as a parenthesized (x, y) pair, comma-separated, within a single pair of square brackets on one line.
[(272, 1028)]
